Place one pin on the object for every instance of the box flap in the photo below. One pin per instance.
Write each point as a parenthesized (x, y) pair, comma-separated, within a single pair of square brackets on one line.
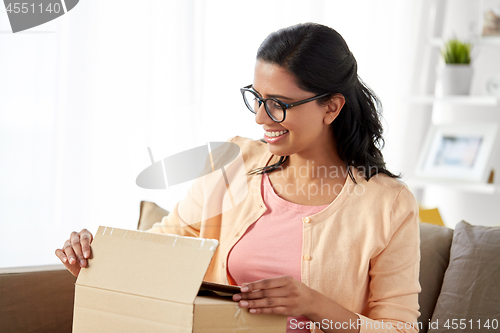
[(161, 266), (99, 310)]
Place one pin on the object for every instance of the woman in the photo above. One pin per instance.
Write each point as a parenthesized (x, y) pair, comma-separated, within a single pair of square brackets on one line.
[(326, 233)]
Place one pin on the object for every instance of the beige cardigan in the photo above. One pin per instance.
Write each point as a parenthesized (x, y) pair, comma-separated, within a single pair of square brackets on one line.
[(362, 251)]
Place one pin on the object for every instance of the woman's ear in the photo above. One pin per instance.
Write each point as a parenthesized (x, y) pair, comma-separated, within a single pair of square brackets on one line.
[(333, 108)]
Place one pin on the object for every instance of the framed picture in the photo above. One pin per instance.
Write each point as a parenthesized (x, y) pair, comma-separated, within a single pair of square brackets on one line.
[(491, 18), (457, 152)]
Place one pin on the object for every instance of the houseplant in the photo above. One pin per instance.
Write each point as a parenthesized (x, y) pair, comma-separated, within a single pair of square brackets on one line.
[(456, 74)]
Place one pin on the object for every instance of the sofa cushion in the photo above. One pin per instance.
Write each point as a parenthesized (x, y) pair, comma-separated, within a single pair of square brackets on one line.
[(435, 243), (471, 286), (149, 215)]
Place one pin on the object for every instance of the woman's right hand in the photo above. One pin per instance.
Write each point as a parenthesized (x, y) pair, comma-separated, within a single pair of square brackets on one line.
[(76, 250)]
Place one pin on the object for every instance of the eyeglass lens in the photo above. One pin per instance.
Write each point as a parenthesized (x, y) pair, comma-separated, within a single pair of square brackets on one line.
[(273, 108)]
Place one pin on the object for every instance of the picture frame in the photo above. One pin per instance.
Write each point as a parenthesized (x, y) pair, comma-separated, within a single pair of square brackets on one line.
[(457, 152), (490, 19)]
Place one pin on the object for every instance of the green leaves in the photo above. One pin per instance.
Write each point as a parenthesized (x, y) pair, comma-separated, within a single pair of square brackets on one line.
[(456, 52)]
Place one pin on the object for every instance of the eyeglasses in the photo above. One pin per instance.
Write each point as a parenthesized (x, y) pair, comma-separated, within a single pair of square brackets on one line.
[(275, 108)]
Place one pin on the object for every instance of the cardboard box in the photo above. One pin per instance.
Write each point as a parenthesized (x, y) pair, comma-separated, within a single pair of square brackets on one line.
[(144, 282)]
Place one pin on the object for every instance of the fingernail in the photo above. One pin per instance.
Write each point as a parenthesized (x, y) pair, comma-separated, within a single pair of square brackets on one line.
[(252, 311), (86, 254), (65, 259), (82, 262), (236, 297), (72, 260), (243, 303), (244, 289)]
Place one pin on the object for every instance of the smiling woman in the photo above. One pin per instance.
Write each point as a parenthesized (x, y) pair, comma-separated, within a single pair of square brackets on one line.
[(340, 248)]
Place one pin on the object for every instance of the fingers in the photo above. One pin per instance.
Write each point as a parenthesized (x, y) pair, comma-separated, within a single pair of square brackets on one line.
[(77, 248), (266, 305), (68, 253), (60, 254), (281, 295), (74, 269), (276, 310), (86, 239), (264, 293)]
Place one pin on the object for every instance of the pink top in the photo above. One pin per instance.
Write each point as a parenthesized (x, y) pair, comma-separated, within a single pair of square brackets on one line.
[(272, 246)]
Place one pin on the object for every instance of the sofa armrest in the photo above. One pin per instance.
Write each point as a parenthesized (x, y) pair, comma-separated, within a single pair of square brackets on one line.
[(36, 299)]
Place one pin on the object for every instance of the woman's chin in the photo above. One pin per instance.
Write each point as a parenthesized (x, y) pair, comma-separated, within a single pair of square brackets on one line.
[(277, 151)]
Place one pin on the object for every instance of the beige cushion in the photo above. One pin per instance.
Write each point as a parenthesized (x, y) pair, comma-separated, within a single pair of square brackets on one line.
[(149, 215), (435, 243), (471, 286)]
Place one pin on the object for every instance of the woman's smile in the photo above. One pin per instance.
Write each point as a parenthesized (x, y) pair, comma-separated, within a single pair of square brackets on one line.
[(274, 136)]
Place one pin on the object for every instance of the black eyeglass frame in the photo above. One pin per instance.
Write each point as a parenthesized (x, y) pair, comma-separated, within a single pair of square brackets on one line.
[(283, 105)]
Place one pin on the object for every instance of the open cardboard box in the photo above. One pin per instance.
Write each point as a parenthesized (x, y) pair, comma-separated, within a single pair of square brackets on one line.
[(143, 282)]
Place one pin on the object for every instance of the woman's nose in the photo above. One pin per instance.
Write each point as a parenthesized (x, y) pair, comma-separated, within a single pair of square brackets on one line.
[(261, 117)]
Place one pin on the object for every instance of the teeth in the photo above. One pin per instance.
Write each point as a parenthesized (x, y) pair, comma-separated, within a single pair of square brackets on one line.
[(274, 134)]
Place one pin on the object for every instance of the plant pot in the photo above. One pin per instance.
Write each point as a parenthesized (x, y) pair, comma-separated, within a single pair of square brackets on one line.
[(456, 79)]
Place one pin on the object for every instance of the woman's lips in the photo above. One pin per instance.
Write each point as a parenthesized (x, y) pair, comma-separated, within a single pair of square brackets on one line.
[(274, 139)]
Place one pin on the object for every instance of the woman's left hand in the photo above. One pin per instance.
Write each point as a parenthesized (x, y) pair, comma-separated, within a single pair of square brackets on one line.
[(282, 295)]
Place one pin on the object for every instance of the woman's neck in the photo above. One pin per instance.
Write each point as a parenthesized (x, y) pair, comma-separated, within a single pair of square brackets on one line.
[(316, 168), (313, 165), (310, 181)]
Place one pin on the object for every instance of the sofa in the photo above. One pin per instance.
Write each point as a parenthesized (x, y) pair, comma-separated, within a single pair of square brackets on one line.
[(459, 276)]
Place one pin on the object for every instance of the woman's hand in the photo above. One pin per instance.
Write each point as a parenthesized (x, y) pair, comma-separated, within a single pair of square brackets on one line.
[(282, 295), (76, 250)]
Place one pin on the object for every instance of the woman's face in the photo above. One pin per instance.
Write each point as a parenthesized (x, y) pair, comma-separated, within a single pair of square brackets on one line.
[(306, 128)]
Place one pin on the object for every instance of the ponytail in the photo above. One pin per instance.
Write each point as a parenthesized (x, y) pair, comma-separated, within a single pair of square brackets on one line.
[(358, 132)]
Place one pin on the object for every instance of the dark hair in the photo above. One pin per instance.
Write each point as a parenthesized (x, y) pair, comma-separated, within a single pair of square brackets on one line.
[(321, 62)]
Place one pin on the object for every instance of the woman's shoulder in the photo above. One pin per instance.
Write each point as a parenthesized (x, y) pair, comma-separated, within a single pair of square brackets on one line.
[(247, 142), (392, 197), (385, 187), (250, 147), (255, 153)]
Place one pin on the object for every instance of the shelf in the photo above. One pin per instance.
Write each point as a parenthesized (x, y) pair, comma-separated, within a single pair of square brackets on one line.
[(493, 41), (457, 99), (482, 188)]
